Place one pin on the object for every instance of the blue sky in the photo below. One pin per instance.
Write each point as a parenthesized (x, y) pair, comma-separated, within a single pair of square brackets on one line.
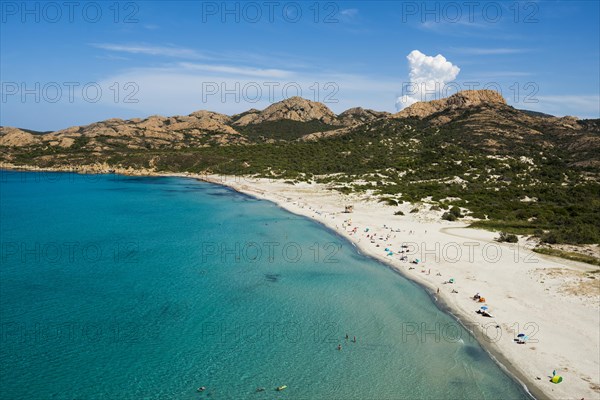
[(172, 58)]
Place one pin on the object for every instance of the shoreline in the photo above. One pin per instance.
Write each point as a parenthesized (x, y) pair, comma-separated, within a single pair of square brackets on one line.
[(581, 381), (535, 387), (439, 303)]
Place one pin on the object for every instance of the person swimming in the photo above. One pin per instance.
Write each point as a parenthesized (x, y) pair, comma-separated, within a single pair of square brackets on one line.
[(202, 388), (339, 347)]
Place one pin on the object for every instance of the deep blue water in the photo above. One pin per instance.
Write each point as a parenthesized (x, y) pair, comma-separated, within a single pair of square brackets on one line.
[(117, 287)]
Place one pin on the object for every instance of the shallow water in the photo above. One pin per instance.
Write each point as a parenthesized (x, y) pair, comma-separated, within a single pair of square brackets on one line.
[(147, 288)]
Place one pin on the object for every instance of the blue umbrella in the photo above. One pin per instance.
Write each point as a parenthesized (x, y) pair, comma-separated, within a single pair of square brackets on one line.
[(520, 335), (484, 308)]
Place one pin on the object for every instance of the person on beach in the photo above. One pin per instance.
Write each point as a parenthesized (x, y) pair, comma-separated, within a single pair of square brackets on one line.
[(438, 290)]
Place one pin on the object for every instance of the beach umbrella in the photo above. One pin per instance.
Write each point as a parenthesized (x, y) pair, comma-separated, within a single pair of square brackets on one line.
[(520, 335), (484, 308)]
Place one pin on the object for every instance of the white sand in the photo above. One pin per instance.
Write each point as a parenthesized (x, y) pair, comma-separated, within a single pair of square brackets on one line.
[(552, 300)]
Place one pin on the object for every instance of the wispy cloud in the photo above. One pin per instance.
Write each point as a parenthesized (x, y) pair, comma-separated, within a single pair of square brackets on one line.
[(112, 57), (229, 56), (349, 13), (238, 70), (447, 25), (489, 51), (166, 51), (586, 106), (465, 28), (481, 76), (184, 87)]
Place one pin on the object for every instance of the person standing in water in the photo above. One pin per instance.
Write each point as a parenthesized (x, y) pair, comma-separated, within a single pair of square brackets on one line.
[(339, 346)]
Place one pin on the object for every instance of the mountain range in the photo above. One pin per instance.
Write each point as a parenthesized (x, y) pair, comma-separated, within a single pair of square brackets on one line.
[(516, 170), (294, 117)]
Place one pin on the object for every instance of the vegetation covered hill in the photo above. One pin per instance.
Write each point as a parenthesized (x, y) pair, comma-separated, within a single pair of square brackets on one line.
[(512, 170)]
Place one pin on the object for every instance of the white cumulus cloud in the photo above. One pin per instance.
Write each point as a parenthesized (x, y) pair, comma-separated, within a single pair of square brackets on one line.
[(428, 76)]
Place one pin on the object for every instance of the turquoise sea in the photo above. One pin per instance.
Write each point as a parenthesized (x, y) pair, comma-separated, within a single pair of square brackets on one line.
[(117, 287)]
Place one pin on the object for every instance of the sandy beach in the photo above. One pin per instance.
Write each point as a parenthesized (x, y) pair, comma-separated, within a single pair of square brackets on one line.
[(554, 302)]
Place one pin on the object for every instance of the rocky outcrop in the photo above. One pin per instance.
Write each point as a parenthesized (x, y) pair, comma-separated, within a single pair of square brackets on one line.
[(460, 100), (359, 115), (206, 121), (14, 137), (156, 131), (293, 109)]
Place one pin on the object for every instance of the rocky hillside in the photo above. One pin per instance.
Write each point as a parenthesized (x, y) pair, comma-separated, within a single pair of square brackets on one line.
[(459, 101), (288, 119), (292, 109), (483, 119), (14, 137), (359, 115)]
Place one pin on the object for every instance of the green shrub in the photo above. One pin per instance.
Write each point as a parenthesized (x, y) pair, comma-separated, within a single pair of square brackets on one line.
[(569, 256), (388, 201), (538, 232), (399, 212), (507, 237), (449, 216), (456, 212)]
